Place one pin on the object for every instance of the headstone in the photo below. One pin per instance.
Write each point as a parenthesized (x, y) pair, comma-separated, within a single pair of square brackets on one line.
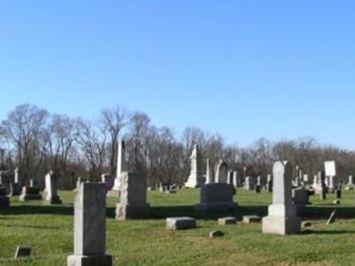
[(269, 183), (120, 169), (133, 197), (30, 193), (222, 172), (300, 198), (22, 252), (236, 181), (196, 178), (227, 221), (333, 183), (216, 197), (4, 199), (32, 183), (330, 168), (16, 175), (180, 223), (209, 179), (257, 188), (282, 217), (108, 181), (249, 183), (51, 190), (350, 185), (90, 226)]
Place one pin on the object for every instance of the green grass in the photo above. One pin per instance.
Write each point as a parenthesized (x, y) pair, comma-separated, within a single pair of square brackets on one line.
[(48, 230)]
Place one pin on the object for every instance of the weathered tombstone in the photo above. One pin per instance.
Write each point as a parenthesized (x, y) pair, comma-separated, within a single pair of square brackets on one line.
[(133, 197), (108, 181), (333, 183), (282, 217), (227, 221), (300, 198), (269, 183), (209, 179), (216, 197), (4, 199), (90, 226), (222, 172), (236, 181), (121, 168), (14, 186), (196, 178), (249, 183), (350, 185), (180, 223), (330, 174), (51, 191), (30, 193)]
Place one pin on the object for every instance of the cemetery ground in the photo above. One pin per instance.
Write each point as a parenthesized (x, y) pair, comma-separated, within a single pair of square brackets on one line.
[(49, 231)]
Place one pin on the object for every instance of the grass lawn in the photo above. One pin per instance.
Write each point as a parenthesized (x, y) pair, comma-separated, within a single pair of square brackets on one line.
[(48, 230)]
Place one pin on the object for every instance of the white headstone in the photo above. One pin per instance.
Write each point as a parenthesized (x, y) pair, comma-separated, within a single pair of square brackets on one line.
[(330, 169), (196, 176)]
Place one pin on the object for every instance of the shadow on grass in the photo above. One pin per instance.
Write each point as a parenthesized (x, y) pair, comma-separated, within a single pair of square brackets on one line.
[(31, 226), (37, 209), (162, 212), (324, 232)]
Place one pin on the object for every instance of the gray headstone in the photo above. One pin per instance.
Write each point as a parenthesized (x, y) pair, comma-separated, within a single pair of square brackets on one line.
[(90, 226), (216, 197), (180, 223), (282, 217), (133, 197)]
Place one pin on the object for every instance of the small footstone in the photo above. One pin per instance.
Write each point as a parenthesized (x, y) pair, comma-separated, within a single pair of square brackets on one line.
[(227, 221), (22, 252), (306, 224), (251, 219), (180, 223), (214, 234)]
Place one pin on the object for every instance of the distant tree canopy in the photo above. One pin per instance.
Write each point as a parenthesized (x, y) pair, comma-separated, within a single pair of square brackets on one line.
[(36, 141)]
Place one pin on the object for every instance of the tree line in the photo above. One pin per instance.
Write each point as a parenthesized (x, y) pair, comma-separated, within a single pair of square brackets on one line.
[(36, 141)]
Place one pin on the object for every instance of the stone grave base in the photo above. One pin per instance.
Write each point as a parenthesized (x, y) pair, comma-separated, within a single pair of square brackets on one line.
[(180, 223), (281, 225), (77, 260), (216, 207), (124, 211)]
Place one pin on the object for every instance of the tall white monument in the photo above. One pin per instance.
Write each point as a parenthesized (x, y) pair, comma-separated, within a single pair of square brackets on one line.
[(196, 177), (121, 166)]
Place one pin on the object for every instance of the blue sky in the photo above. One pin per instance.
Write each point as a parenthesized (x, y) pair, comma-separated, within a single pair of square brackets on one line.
[(245, 69)]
